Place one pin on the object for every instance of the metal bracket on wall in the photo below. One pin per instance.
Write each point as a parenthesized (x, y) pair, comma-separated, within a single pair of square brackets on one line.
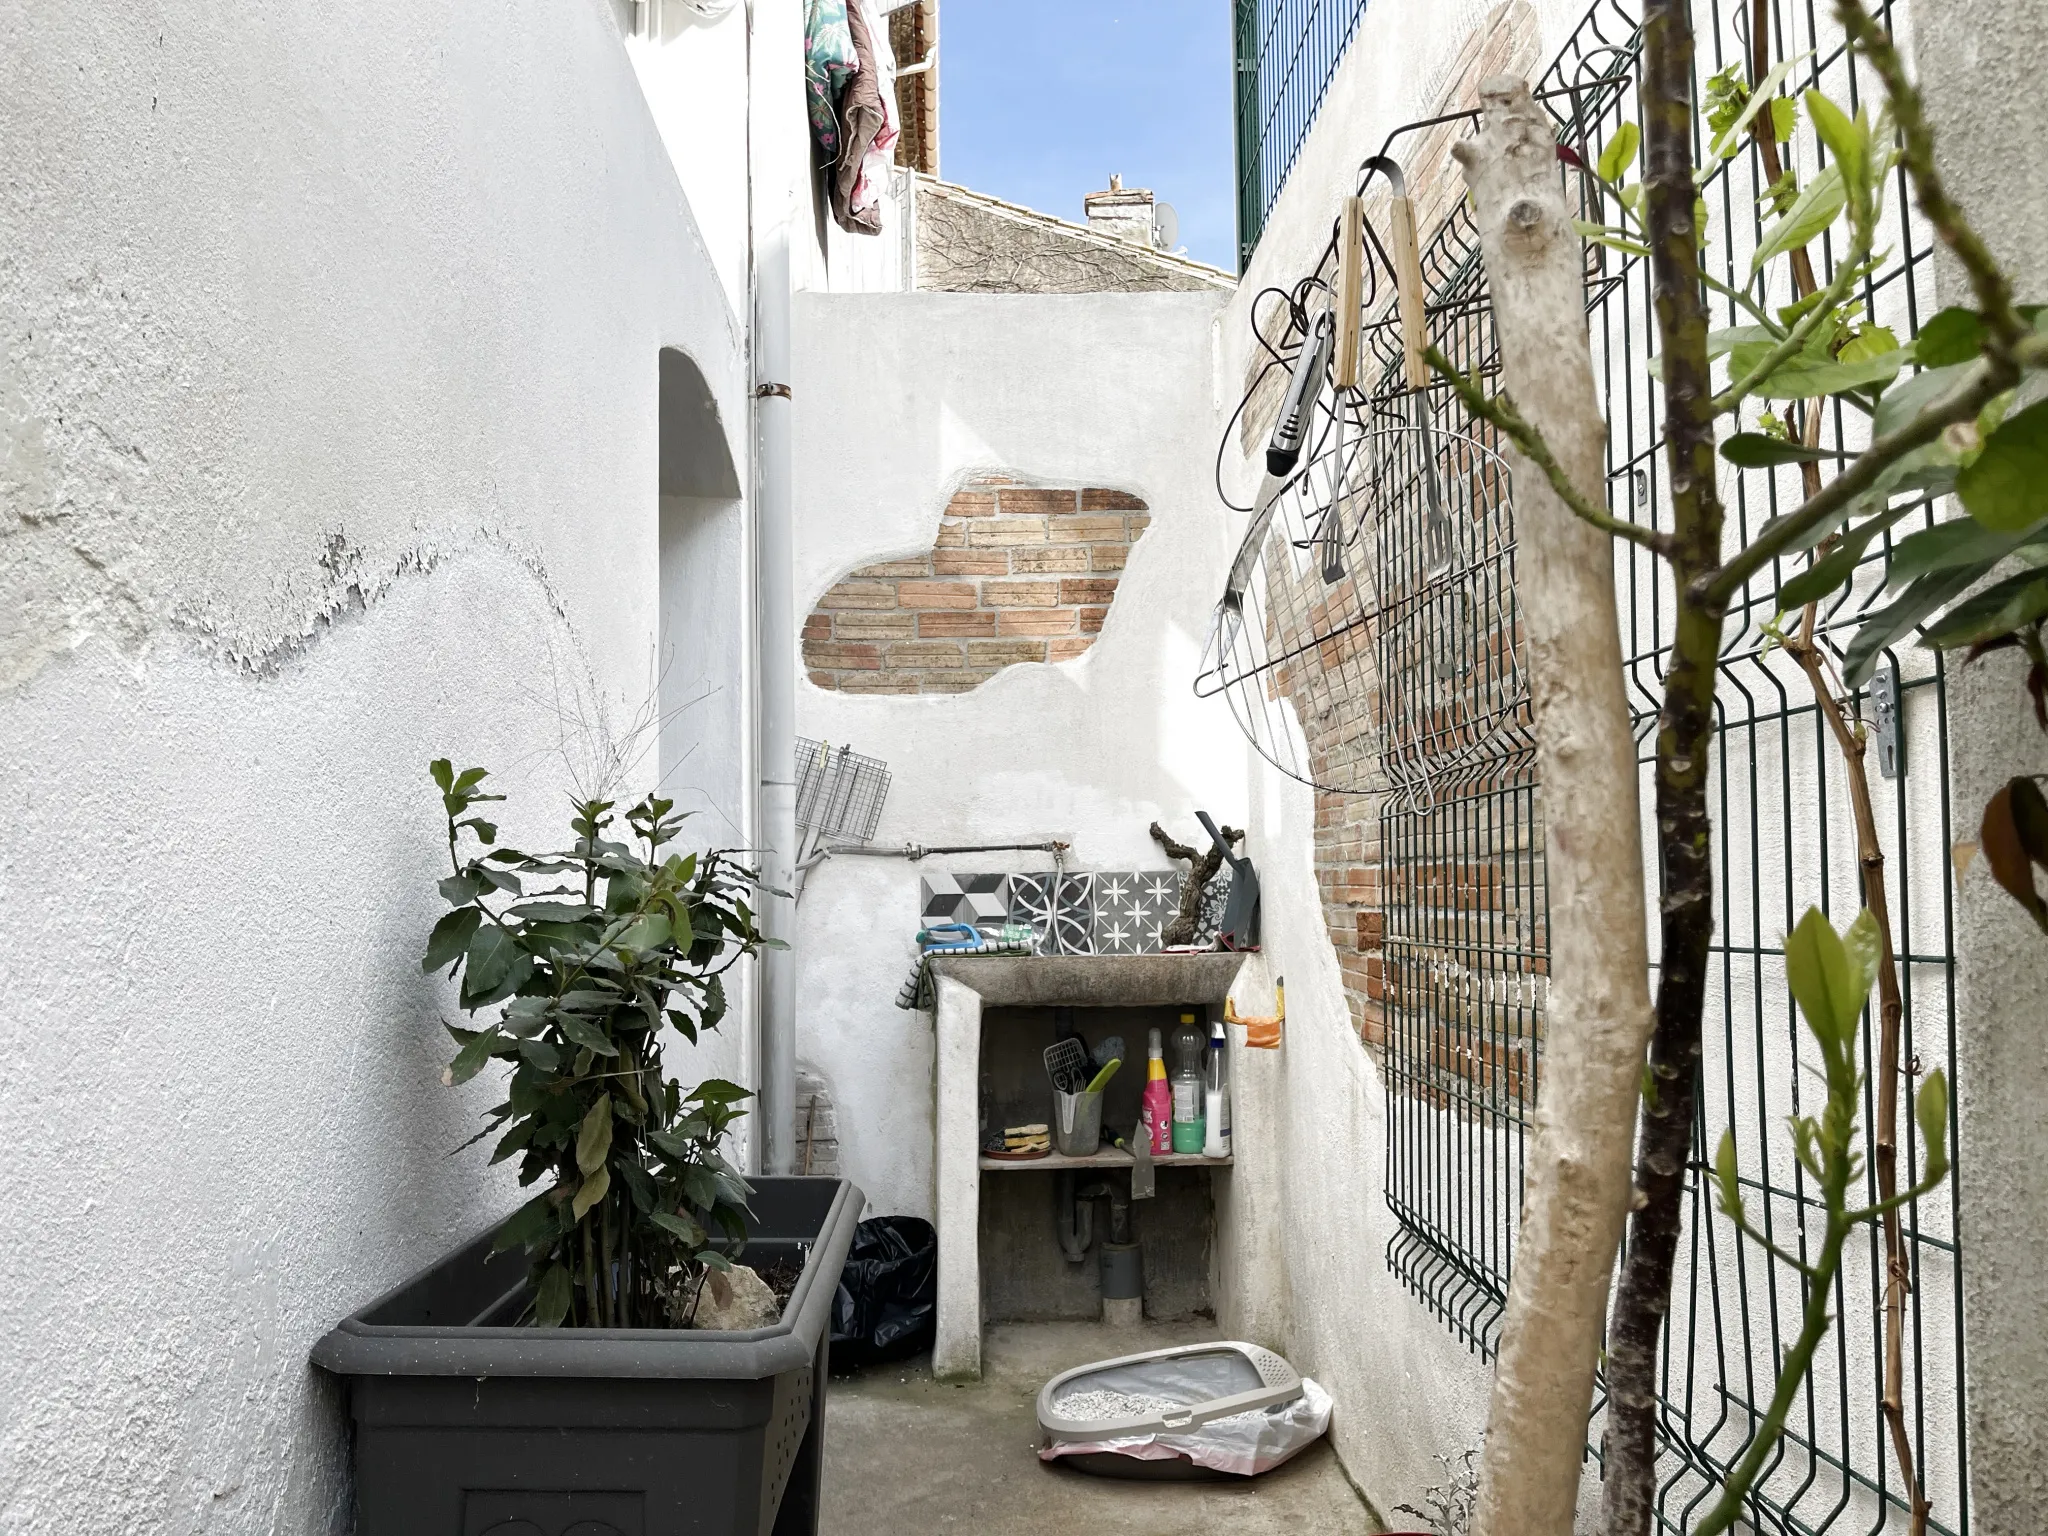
[(1884, 723)]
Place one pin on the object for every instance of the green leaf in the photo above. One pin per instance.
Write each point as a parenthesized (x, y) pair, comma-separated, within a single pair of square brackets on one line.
[(1847, 140), (700, 1187), (589, 1192), (648, 931), (1864, 944), (1955, 545), (552, 911), (1824, 978), (1835, 568), (1766, 92), (1998, 610), (1600, 234), (1809, 374), (541, 1054), (594, 1136), (490, 956), (1727, 1177), (468, 779), (530, 1224), (679, 1224), (1759, 450), (1930, 1110), (586, 1033), (443, 773), (1818, 207), (1784, 117), (486, 831), (457, 890), (1871, 341), (1895, 620), (1909, 397), (1619, 152), (450, 938), (551, 1301), (716, 1090), (2006, 487), (470, 1059), (1952, 337)]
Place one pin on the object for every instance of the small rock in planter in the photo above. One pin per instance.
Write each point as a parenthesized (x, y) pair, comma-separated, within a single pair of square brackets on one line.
[(744, 1301)]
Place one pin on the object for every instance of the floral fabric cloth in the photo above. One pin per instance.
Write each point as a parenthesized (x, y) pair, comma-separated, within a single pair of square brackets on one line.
[(829, 62)]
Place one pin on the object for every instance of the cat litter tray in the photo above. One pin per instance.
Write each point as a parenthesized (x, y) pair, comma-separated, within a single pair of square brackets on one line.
[(1199, 1410)]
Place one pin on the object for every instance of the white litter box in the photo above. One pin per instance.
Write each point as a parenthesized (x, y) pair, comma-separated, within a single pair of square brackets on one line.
[(1199, 1410)]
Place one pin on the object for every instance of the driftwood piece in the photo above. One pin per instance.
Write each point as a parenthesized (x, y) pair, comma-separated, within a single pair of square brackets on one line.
[(1202, 869), (1597, 1012)]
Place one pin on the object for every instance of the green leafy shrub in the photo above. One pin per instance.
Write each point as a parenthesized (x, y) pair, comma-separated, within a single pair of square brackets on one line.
[(585, 956)]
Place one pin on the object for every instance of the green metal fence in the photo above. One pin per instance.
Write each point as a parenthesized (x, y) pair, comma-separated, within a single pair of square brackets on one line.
[(1286, 51)]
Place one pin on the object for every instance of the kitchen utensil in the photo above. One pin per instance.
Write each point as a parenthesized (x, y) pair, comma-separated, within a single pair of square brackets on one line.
[(1101, 1079), (1109, 1048), (1066, 1063)]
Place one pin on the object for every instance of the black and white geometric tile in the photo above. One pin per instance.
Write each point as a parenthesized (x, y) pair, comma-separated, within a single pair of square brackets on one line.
[(1209, 917), (1131, 906), (1120, 912), (980, 901), (1060, 909)]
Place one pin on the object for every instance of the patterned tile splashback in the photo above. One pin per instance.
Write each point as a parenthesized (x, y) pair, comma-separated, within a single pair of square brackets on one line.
[(1113, 912)]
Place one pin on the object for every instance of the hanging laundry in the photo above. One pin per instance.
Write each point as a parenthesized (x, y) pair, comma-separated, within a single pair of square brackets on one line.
[(881, 155), (829, 62), (867, 126)]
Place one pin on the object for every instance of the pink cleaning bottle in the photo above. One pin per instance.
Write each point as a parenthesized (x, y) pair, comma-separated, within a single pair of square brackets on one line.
[(1158, 1100)]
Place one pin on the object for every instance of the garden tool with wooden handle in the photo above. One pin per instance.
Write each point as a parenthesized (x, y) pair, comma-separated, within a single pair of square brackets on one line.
[(1405, 251)]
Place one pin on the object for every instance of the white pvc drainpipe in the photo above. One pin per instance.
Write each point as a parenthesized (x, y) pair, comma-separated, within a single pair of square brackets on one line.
[(774, 601)]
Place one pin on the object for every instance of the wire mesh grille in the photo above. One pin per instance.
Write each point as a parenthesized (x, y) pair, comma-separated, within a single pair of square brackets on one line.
[(1461, 872), (839, 793)]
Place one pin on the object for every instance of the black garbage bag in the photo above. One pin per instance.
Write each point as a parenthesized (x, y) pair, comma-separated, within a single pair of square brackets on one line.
[(888, 1294)]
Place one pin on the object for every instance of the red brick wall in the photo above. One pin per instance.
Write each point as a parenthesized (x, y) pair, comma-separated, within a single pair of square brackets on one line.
[(1019, 574)]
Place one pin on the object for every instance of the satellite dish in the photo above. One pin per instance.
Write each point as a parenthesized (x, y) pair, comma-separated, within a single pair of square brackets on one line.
[(1165, 226)]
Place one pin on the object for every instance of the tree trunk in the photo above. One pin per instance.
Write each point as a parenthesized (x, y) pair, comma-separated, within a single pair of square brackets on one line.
[(1597, 1012), (1684, 732)]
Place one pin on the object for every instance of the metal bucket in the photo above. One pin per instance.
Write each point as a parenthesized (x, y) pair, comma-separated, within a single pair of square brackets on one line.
[(1077, 1123)]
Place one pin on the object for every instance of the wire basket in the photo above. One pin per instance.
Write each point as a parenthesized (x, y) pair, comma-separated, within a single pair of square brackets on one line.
[(839, 793)]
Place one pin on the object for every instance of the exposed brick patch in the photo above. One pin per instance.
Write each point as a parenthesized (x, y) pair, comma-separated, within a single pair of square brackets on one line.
[(1017, 575)]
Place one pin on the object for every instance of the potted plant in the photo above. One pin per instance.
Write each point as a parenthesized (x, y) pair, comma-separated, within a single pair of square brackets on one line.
[(544, 1377)]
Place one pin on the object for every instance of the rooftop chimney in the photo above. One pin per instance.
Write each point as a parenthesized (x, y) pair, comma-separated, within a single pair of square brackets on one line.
[(1122, 213)]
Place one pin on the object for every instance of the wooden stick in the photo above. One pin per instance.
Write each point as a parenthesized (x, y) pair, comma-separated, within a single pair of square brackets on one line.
[(1597, 1012)]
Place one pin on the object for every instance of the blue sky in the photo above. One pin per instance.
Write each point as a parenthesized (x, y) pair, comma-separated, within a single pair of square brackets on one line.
[(1039, 100)]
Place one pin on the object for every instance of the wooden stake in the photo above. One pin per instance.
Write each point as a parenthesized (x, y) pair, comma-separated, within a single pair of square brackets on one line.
[(1597, 1012)]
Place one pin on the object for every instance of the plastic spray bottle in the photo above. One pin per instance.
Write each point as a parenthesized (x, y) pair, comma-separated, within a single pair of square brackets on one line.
[(1216, 1094), (1158, 1100)]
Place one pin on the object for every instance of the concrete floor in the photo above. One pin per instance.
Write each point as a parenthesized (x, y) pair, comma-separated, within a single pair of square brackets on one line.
[(906, 1455)]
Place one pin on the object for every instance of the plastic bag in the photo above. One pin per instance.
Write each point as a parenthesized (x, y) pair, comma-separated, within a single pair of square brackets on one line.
[(1245, 1443), (887, 1301)]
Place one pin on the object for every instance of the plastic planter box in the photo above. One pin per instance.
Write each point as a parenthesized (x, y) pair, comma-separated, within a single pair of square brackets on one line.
[(465, 1426)]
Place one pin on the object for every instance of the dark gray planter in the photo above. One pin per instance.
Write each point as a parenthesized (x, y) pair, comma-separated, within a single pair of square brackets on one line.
[(466, 1427)]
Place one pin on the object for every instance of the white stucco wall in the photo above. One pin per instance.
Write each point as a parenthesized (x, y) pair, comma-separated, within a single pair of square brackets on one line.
[(327, 446), (899, 398)]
